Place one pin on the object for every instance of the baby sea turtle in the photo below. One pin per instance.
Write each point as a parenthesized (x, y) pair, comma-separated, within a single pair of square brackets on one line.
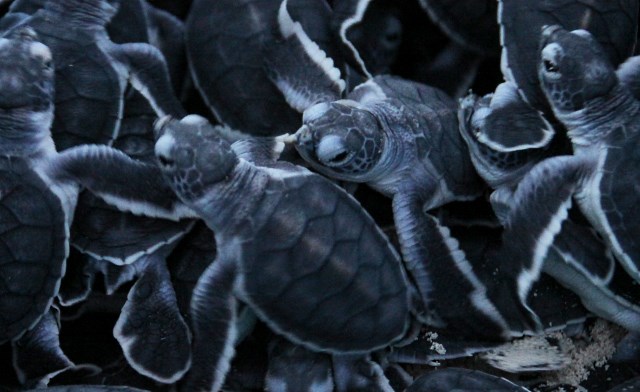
[(402, 139), (92, 72), (298, 250), (40, 186), (601, 118), (613, 24), (578, 259)]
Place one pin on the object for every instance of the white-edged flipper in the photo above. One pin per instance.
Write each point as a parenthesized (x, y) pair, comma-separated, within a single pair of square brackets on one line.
[(512, 124), (213, 320), (294, 368), (540, 205), (358, 374), (263, 151), (127, 184), (37, 356), (153, 335), (148, 73), (442, 273), (299, 68)]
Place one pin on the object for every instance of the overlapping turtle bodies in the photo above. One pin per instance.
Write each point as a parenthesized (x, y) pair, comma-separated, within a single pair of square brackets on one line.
[(295, 248)]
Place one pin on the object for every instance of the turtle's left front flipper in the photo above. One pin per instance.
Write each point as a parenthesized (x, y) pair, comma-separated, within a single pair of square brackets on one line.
[(148, 73), (128, 184), (153, 335), (540, 205), (299, 68), (444, 277)]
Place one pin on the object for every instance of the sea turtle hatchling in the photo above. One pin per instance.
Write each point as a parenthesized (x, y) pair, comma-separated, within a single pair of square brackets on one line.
[(39, 186), (601, 117), (578, 259), (92, 72), (614, 24), (294, 247), (402, 139)]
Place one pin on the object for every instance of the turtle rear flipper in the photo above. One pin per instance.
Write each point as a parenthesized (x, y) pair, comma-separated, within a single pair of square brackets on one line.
[(154, 338), (213, 320), (299, 68), (293, 367), (37, 355), (358, 374)]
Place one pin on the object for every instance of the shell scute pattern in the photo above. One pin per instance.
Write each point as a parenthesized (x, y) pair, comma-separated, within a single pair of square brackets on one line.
[(29, 274), (312, 268)]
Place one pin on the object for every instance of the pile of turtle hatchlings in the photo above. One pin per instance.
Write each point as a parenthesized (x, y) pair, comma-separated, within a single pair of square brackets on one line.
[(319, 195)]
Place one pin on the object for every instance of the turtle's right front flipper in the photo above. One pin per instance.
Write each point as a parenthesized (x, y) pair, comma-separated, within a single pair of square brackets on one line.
[(213, 320), (444, 277), (128, 184)]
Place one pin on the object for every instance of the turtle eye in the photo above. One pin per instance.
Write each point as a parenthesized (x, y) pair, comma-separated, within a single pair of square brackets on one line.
[(550, 66)]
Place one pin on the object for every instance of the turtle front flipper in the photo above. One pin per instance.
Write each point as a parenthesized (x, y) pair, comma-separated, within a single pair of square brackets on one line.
[(148, 73), (213, 320), (513, 125), (540, 205), (119, 180), (299, 68), (295, 368), (261, 151), (442, 273), (580, 261), (153, 335)]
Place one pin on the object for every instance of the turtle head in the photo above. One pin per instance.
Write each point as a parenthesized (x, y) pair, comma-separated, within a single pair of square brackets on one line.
[(341, 139), (26, 72), (192, 155), (573, 69), (26, 93)]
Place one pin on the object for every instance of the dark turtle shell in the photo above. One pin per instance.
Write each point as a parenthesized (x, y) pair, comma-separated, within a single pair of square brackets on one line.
[(224, 46), (34, 247), (612, 23), (317, 269), (471, 23)]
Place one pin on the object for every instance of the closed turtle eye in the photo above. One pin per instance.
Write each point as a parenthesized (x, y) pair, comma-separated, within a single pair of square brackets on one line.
[(333, 151), (550, 66)]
